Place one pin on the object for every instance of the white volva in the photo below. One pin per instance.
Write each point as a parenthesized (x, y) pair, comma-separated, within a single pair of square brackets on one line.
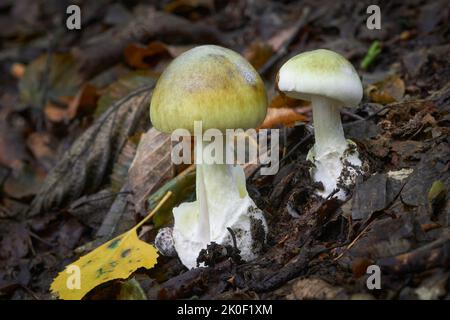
[(329, 81), (222, 202)]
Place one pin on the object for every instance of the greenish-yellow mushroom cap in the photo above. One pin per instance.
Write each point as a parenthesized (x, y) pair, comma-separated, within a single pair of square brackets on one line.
[(210, 84), (322, 73)]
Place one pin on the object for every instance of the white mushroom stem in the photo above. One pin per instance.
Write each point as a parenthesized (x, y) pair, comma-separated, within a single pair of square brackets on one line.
[(222, 202), (215, 182), (328, 131), (328, 154)]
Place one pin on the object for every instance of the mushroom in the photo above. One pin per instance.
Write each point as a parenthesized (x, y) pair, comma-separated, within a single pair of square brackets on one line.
[(221, 89), (329, 81)]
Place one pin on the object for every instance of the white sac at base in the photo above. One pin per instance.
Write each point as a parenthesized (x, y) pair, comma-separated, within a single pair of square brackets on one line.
[(335, 169), (222, 194)]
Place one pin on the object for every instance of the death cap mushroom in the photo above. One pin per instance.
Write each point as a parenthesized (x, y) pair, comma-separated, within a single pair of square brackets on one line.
[(323, 73), (220, 88), (211, 84), (329, 81)]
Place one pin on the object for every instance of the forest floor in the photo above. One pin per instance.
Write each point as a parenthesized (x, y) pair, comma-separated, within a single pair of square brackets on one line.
[(74, 115)]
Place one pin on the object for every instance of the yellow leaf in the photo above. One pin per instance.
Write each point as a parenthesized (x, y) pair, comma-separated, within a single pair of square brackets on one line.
[(115, 259)]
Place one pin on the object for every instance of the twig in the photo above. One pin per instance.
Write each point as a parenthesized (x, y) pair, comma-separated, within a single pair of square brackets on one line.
[(33, 235), (368, 117), (284, 49), (354, 241), (351, 114), (87, 201), (429, 256), (30, 292)]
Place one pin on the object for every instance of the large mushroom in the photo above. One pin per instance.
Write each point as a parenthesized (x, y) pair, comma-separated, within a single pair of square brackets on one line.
[(329, 81), (221, 89)]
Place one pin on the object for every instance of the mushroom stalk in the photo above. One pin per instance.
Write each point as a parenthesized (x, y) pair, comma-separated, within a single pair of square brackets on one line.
[(214, 183), (328, 131)]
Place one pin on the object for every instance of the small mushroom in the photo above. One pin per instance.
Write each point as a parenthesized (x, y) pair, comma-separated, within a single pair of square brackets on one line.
[(221, 89), (329, 81)]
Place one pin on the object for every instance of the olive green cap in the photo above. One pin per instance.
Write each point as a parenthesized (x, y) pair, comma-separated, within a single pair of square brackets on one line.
[(211, 84), (323, 73)]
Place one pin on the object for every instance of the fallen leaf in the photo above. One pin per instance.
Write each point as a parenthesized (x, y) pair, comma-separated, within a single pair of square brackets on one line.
[(17, 70), (84, 167), (286, 117), (119, 218), (144, 57), (415, 60), (84, 102), (26, 182), (315, 288), (281, 38), (182, 187), (122, 87), (283, 101), (116, 259), (57, 113), (369, 197), (119, 173), (43, 146), (151, 167), (258, 53), (13, 153), (147, 24), (184, 6), (389, 90), (429, 170), (131, 290), (15, 242), (49, 78)]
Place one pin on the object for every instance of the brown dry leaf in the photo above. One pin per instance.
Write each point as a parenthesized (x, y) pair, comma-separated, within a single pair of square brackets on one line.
[(258, 53), (188, 5), (85, 166), (55, 113), (25, 183), (84, 102), (283, 101), (389, 90), (15, 241), (42, 146), (182, 186), (144, 57), (17, 70), (68, 107), (58, 73), (151, 167), (282, 117), (58, 111), (280, 38), (119, 173), (13, 153), (314, 288), (107, 49), (122, 87)]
